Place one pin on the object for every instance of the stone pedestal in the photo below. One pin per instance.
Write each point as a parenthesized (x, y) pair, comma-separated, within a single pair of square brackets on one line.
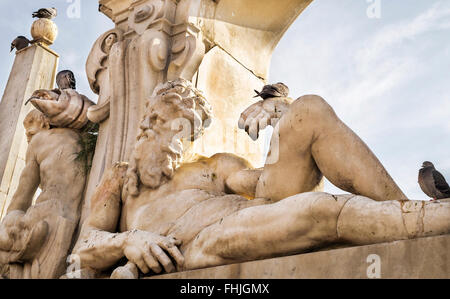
[(34, 68), (411, 259)]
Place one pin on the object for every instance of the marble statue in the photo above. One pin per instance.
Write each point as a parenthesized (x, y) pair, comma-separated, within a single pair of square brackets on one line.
[(150, 203), (169, 210), (35, 238)]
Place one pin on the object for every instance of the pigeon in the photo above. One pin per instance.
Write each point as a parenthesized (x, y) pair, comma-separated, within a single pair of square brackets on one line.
[(45, 13), (21, 42), (278, 90), (66, 80), (432, 182)]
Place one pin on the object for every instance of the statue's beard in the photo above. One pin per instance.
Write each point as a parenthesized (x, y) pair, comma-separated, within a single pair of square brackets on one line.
[(158, 169), (157, 159), (176, 112)]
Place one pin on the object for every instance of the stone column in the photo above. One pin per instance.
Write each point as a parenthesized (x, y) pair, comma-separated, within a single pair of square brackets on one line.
[(34, 68)]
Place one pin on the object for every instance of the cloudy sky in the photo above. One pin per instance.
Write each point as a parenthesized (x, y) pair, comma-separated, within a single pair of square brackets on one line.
[(382, 64)]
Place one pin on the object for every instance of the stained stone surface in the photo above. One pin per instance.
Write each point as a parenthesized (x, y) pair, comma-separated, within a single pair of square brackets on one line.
[(34, 68), (411, 259)]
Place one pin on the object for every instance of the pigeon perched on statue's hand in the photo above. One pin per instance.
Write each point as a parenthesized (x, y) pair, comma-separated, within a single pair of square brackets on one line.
[(432, 182), (19, 43), (45, 13), (278, 90)]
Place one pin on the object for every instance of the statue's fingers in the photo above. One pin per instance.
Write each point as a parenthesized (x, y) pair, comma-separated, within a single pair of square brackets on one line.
[(162, 258), (264, 121), (253, 130), (241, 123), (135, 256), (250, 110), (251, 117), (177, 242), (152, 263), (141, 265), (175, 254), (246, 114)]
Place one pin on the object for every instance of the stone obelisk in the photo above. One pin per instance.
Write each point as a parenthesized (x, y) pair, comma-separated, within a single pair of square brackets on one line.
[(34, 68)]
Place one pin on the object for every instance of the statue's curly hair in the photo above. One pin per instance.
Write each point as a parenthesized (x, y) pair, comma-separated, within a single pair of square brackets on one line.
[(36, 115)]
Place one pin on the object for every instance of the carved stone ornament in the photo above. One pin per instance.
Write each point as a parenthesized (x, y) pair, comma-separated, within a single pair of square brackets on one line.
[(144, 15), (97, 62)]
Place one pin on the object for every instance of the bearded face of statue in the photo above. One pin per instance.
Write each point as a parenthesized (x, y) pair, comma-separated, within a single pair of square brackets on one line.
[(174, 114), (154, 164)]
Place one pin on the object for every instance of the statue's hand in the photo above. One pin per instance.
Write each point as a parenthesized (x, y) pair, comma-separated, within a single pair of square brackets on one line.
[(150, 251), (262, 114)]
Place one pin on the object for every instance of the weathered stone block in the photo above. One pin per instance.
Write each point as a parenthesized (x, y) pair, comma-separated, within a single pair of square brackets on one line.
[(419, 258)]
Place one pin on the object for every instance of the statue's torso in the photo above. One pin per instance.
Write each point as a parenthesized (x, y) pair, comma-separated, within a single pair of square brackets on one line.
[(194, 199)]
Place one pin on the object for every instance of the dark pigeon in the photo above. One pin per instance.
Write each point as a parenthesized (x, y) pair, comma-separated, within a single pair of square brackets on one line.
[(432, 182), (278, 90), (45, 13), (21, 42), (66, 80)]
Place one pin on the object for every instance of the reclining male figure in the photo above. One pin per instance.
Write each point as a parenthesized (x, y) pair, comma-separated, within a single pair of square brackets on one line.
[(199, 214)]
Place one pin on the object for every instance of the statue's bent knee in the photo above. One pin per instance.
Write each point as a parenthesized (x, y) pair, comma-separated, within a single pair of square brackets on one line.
[(310, 109)]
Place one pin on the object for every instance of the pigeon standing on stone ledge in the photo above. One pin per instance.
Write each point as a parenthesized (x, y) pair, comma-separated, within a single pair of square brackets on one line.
[(432, 182), (45, 13), (278, 90), (21, 42)]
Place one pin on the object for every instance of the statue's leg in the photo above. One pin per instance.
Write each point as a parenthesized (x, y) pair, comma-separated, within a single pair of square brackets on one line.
[(365, 221), (313, 141), (312, 220), (289, 226)]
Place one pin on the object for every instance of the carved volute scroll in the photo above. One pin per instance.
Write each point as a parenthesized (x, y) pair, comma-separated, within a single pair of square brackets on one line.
[(145, 15), (99, 54), (188, 50), (97, 62)]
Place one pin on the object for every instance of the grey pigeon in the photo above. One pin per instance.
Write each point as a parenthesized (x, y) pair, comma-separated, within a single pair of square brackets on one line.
[(21, 42), (432, 182), (66, 80), (45, 13), (273, 91)]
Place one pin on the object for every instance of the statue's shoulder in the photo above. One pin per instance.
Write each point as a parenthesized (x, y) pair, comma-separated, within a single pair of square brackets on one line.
[(54, 138), (228, 159)]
